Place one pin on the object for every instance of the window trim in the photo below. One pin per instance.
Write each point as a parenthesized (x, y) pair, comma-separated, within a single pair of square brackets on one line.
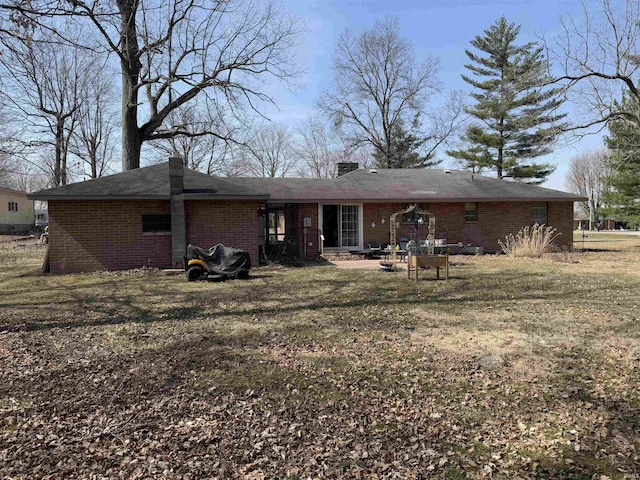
[(546, 214), (360, 223), (13, 206), (471, 220)]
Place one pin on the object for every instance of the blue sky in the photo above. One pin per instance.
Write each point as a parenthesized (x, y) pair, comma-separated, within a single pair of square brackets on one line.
[(439, 27)]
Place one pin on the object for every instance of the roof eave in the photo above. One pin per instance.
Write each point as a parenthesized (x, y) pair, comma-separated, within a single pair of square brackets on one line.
[(204, 196), (187, 196), (427, 199), (44, 196)]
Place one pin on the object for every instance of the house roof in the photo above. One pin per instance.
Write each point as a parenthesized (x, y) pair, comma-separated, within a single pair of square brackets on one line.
[(384, 185), (394, 185), (11, 191), (149, 183)]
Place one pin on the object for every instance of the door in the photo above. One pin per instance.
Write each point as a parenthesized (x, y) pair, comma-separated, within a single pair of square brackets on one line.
[(341, 226), (330, 225), (349, 236)]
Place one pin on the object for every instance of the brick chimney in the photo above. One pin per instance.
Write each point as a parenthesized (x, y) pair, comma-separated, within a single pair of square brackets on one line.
[(346, 167), (176, 199)]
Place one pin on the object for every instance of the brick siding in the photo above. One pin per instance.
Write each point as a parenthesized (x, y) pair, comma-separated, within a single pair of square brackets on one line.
[(233, 223), (309, 210), (92, 235), (107, 235), (495, 221)]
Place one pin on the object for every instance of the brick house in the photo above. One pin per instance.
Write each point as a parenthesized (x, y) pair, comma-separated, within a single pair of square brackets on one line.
[(145, 217), (16, 212), (354, 209)]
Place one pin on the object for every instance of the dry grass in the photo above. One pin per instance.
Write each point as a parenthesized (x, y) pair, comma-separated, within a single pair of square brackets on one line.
[(514, 368), (530, 242)]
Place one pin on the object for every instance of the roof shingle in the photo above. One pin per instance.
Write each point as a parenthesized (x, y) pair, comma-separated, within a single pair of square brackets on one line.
[(149, 183)]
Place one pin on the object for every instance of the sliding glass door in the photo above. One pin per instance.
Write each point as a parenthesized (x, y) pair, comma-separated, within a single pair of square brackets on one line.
[(341, 225)]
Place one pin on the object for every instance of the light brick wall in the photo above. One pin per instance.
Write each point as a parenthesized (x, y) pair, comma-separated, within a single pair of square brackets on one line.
[(232, 223), (495, 221)]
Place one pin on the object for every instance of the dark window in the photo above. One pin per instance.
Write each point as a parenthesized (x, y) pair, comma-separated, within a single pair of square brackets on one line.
[(539, 215), (276, 227), (13, 206), (413, 216), (471, 212), (154, 223)]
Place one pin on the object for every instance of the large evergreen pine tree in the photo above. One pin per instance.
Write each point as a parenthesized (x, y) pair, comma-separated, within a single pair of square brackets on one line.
[(624, 144), (405, 149), (518, 118)]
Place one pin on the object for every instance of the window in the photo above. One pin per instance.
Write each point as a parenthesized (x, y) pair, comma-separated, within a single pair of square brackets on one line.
[(413, 216), (471, 212), (349, 227), (154, 223), (539, 215), (13, 206), (276, 227)]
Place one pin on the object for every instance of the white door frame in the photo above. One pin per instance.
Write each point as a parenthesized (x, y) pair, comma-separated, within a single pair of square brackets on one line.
[(360, 223)]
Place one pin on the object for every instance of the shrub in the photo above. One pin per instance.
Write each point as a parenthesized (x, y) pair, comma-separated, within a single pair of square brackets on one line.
[(529, 242)]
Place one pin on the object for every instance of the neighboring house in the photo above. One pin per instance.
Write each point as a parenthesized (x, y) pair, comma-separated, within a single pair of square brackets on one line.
[(42, 218), (145, 217), (16, 212), (581, 221)]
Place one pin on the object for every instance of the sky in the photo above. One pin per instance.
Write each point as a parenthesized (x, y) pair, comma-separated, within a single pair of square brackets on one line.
[(438, 27)]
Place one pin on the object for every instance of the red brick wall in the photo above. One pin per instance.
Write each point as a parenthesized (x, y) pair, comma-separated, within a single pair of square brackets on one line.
[(234, 223), (495, 221), (105, 235), (309, 210)]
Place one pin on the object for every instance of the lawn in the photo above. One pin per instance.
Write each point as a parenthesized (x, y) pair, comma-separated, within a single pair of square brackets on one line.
[(513, 368)]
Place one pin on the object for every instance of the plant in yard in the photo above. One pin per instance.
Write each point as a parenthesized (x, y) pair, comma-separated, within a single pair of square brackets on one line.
[(529, 242)]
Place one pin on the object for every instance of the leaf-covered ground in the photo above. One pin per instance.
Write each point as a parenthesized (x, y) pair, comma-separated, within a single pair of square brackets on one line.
[(511, 369)]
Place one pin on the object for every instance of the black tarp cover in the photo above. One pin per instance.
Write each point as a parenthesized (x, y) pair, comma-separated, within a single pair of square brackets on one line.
[(221, 259)]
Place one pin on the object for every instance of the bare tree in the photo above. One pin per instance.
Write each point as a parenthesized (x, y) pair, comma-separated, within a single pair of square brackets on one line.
[(45, 86), (316, 149), (270, 152), (93, 141), (174, 50), (378, 88), (26, 177), (598, 50), (588, 176), (201, 150)]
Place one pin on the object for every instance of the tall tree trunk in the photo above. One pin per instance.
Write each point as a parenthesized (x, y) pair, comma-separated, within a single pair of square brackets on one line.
[(131, 133), (130, 64), (58, 167), (94, 163)]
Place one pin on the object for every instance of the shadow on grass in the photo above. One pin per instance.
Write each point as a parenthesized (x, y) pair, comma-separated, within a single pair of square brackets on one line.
[(138, 307)]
